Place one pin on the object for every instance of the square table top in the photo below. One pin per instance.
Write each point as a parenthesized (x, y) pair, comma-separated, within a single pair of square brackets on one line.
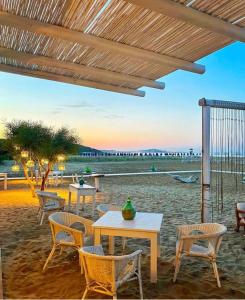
[(82, 187), (142, 221)]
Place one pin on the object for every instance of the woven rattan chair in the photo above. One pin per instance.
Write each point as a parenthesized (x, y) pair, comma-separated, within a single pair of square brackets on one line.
[(240, 216), (48, 202), (105, 274), (188, 244), (65, 235), (104, 208)]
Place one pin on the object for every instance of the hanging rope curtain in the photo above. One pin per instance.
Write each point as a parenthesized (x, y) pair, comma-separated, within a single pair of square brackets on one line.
[(227, 146)]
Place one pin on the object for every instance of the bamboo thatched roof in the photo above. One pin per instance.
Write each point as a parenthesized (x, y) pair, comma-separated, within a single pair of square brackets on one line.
[(114, 44)]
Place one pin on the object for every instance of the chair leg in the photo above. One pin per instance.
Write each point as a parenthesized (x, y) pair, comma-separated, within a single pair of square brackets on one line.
[(61, 250), (81, 264), (177, 267), (124, 242), (42, 217), (49, 257), (84, 294), (216, 273), (140, 286), (114, 297)]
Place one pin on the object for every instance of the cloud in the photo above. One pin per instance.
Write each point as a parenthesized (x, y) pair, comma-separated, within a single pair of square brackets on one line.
[(114, 116), (55, 112), (77, 105)]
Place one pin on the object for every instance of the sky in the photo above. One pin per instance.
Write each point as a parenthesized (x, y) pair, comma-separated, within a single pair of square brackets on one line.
[(168, 119)]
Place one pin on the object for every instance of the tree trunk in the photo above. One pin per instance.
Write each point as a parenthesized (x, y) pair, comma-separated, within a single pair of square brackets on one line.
[(45, 177), (30, 182)]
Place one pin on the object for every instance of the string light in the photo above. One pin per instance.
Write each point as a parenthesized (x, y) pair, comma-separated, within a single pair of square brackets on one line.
[(30, 163), (61, 157), (61, 167), (15, 168), (24, 154), (44, 161)]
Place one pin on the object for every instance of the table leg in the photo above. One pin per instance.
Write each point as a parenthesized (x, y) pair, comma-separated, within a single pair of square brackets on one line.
[(82, 207), (56, 180), (96, 237), (36, 176), (97, 183), (158, 245), (154, 253), (111, 245), (93, 205), (78, 204), (5, 182), (69, 201)]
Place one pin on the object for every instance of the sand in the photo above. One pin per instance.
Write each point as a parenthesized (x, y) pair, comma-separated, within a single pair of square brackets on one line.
[(25, 245)]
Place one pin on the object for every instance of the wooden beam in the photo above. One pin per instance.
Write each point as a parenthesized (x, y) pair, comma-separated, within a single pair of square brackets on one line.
[(187, 14), (83, 70), (97, 42), (70, 80)]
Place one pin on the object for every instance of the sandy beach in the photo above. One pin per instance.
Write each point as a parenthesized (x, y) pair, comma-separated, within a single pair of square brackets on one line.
[(25, 245)]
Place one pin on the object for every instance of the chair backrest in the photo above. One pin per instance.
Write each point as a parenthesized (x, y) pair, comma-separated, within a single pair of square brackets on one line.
[(107, 270), (104, 208), (241, 206), (42, 196), (210, 232), (62, 222)]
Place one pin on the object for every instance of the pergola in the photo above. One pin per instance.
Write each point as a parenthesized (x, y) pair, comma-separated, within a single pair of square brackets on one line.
[(114, 45)]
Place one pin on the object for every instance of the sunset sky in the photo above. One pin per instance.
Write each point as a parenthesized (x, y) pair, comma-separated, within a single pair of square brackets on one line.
[(168, 119)]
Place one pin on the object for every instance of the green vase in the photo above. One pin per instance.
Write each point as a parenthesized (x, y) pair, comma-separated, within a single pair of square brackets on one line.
[(81, 181), (128, 210)]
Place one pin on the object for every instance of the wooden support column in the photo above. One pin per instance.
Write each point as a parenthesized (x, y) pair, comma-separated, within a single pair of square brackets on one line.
[(206, 171)]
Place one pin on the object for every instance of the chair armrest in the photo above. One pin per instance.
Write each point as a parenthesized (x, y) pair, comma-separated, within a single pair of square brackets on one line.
[(97, 250), (89, 230), (59, 200), (77, 234), (240, 211)]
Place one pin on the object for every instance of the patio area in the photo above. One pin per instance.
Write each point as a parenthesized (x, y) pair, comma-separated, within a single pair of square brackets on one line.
[(27, 245)]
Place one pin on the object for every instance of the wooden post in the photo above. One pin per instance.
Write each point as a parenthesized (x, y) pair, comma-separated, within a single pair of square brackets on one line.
[(205, 201)]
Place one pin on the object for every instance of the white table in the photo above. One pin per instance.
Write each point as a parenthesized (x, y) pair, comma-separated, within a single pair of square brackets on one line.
[(82, 190), (5, 180), (145, 225)]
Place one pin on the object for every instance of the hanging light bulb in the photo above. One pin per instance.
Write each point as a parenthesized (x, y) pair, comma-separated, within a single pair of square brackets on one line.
[(15, 168), (16, 147), (61, 157), (44, 161), (61, 167), (30, 163), (24, 154)]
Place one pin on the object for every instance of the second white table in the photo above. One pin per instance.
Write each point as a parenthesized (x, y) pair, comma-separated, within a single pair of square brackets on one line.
[(5, 180), (82, 190)]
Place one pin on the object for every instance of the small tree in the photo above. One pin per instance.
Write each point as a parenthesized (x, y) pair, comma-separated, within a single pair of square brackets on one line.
[(33, 144)]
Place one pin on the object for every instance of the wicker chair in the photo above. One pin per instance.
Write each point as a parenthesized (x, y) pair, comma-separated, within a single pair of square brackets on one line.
[(104, 208), (48, 202), (105, 274), (64, 235), (188, 244), (240, 216)]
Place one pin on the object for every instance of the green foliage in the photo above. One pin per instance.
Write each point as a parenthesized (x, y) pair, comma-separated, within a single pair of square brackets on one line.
[(88, 170), (153, 168), (4, 155), (41, 141)]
